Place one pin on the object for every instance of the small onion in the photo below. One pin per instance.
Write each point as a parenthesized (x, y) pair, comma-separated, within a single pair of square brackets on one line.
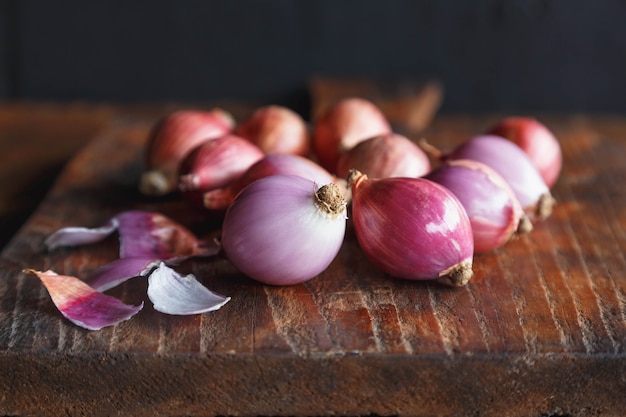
[(494, 212), (275, 164), (283, 230), (343, 125), (217, 162), (171, 139), (539, 143), (412, 228), (384, 156), (276, 129), (508, 160)]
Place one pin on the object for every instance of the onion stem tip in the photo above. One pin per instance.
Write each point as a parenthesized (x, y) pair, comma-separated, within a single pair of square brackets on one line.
[(544, 206), (459, 274), (330, 199), (525, 225), (354, 175), (153, 183)]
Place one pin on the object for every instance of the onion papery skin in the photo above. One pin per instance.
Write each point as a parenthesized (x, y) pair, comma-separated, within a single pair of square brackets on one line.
[(539, 143), (508, 160), (343, 125), (494, 212), (276, 130), (171, 139), (412, 228), (275, 231), (385, 156), (275, 164)]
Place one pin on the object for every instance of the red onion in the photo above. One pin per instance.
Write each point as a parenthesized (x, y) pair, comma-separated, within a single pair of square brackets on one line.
[(276, 164), (539, 143), (384, 156), (412, 228), (494, 212), (171, 139), (276, 129), (217, 162), (343, 125), (283, 230), (508, 160)]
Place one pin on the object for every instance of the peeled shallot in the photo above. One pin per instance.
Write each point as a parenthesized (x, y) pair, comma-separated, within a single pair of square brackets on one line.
[(284, 229)]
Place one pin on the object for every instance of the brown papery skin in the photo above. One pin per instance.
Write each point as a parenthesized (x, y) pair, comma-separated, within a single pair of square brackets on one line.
[(342, 126), (385, 156), (277, 129), (172, 138)]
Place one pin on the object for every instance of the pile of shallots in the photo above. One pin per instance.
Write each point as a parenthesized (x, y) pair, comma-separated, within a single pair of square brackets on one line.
[(285, 190), (284, 193)]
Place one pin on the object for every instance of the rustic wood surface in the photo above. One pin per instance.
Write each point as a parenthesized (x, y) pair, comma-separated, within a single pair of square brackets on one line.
[(35, 143), (539, 331)]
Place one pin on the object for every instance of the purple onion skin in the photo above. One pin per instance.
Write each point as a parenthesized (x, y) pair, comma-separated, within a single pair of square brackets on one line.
[(493, 210), (275, 232), (412, 228), (512, 163)]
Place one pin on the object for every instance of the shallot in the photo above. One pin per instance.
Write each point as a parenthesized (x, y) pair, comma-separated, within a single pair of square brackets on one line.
[(284, 229), (412, 228), (214, 164), (171, 139), (494, 212), (276, 129), (384, 156), (508, 160), (539, 143), (343, 125), (275, 164)]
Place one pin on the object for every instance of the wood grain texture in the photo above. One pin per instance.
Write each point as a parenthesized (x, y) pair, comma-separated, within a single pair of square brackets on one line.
[(36, 141), (540, 330)]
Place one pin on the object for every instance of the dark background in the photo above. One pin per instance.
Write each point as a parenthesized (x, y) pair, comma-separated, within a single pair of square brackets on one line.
[(535, 55)]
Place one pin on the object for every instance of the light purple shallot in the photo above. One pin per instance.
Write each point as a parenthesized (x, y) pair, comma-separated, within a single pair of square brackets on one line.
[(494, 212), (513, 164), (284, 229)]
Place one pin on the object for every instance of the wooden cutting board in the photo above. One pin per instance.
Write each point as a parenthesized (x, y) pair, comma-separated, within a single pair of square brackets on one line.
[(539, 331)]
